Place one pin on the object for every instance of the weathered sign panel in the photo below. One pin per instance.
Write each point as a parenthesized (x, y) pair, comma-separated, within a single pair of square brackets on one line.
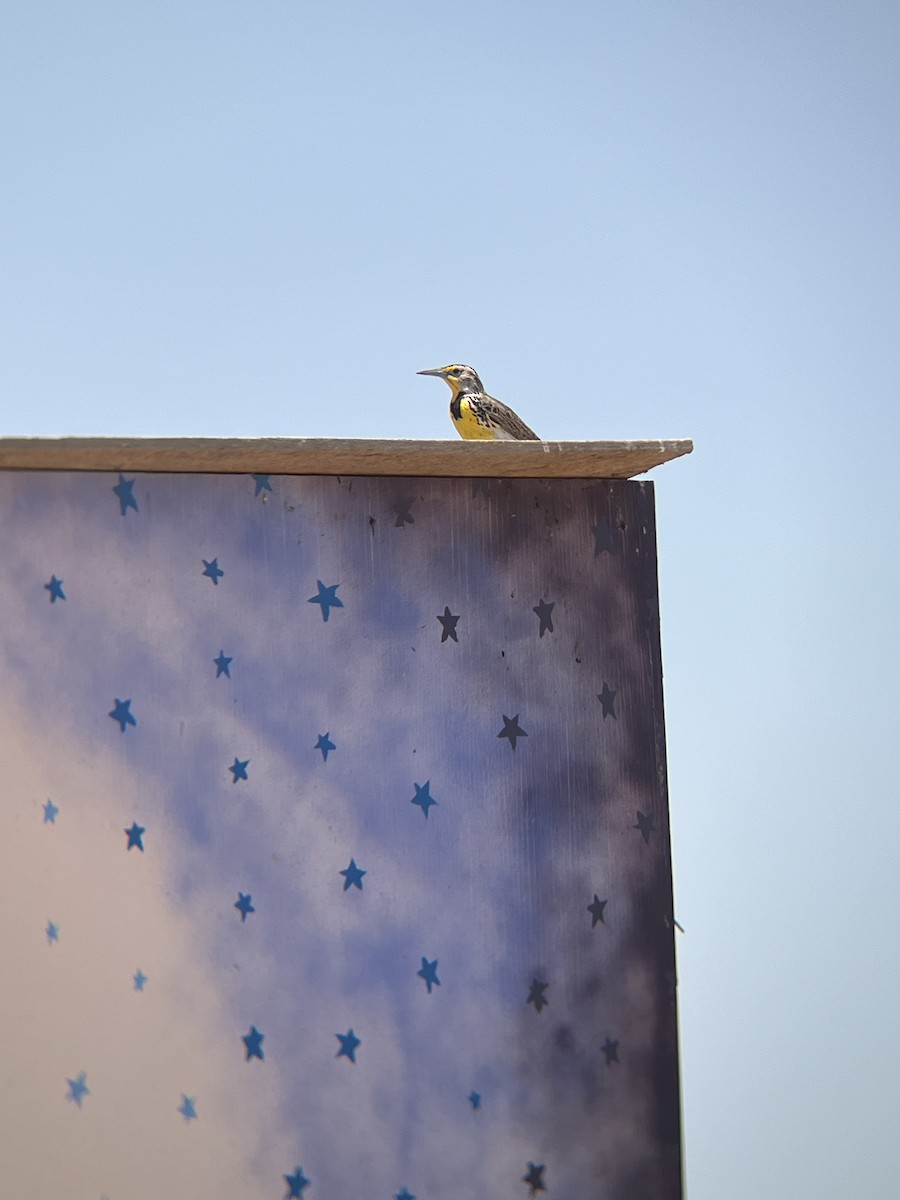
[(334, 839)]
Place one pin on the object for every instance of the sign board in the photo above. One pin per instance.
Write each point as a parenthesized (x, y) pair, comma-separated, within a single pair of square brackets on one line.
[(334, 839)]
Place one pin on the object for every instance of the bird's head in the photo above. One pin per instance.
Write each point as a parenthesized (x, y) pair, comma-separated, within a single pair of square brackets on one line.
[(460, 379)]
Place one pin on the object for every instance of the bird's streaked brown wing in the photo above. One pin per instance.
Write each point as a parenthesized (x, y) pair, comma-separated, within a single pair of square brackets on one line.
[(503, 417)]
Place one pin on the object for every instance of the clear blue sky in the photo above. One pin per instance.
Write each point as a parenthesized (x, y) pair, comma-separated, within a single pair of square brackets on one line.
[(636, 220)]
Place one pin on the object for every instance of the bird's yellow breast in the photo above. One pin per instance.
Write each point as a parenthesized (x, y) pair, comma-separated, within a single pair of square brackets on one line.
[(468, 425)]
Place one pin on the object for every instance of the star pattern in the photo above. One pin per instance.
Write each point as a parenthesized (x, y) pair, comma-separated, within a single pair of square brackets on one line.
[(238, 769), (326, 598), (296, 1182), (537, 995), (325, 744), (55, 588), (123, 714), (607, 698), (448, 625), (596, 909), (124, 490), (423, 797), (253, 1044), (402, 509), (534, 1177), (512, 730), (460, 713), (428, 972), (644, 823), (544, 613), (78, 1088), (223, 664), (212, 570), (610, 1050), (350, 1043), (135, 835), (353, 876)]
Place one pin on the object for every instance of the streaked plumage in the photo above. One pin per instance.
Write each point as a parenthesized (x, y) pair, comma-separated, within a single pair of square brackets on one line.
[(477, 415)]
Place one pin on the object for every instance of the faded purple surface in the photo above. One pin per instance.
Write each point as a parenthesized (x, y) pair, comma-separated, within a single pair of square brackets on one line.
[(262, 791)]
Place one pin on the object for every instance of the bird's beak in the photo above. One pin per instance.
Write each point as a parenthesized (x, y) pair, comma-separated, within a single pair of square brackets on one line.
[(439, 371)]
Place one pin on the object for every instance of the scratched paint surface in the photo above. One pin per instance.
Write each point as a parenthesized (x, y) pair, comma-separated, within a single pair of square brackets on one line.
[(334, 839)]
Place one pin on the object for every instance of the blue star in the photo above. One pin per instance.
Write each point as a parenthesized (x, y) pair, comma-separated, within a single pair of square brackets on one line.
[(296, 1183), (353, 876), (139, 980), (223, 664), (327, 598), (511, 729), (52, 932), (544, 613), (262, 484), (448, 625), (475, 1099), (188, 1107), (404, 516), (244, 906), (78, 1088), (610, 1050), (122, 713), (123, 490), (324, 744), (536, 995), (403, 1194), (429, 974), (55, 588), (135, 835), (212, 570), (607, 699), (50, 811), (423, 797), (239, 769), (535, 1178), (645, 824), (253, 1041), (596, 910), (349, 1043)]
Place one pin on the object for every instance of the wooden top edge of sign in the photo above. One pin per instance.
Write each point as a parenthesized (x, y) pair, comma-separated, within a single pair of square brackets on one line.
[(341, 456)]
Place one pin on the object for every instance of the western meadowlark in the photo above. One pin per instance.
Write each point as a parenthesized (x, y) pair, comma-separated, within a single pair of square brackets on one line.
[(476, 414)]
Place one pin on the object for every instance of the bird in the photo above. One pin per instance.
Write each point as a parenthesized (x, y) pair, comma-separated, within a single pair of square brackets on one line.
[(476, 414)]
